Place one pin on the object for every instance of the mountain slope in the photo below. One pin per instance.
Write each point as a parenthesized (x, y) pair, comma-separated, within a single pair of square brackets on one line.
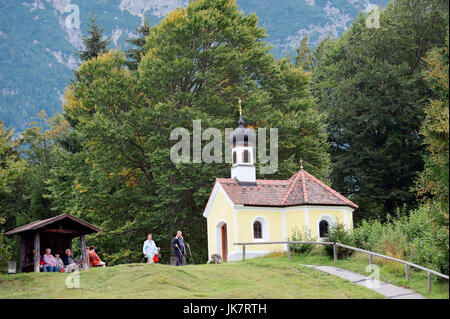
[(38, 48)]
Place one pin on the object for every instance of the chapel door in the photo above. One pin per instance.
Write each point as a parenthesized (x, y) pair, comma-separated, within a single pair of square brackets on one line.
[(224, 242)]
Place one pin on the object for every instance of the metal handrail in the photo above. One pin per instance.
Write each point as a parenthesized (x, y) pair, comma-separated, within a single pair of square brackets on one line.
[(370, 253), (394, 259), (287, 242)]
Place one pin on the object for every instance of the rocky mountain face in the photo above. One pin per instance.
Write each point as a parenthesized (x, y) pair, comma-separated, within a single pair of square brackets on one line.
[(39, 39)]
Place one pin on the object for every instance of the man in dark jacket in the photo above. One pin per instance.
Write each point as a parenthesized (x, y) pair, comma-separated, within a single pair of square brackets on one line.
[(70, 263), (179, 245)]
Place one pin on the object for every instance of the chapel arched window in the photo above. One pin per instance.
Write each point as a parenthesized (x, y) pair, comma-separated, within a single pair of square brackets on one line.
[(257, 230), (245, 156), (323, 228)]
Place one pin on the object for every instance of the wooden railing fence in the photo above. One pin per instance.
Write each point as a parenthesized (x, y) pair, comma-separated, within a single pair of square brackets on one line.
[(335, 245)]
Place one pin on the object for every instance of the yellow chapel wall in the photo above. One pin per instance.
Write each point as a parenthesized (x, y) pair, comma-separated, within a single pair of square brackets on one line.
[(308, 217), (273, 217), (295, 218), (221, 210), (336, 214)]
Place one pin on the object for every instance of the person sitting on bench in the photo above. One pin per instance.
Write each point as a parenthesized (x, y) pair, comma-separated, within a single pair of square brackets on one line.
[(70, 263), (50, 264), (59, 262), (94, 259)]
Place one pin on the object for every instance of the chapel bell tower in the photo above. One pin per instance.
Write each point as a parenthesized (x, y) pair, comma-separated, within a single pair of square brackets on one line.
[(243, 139)]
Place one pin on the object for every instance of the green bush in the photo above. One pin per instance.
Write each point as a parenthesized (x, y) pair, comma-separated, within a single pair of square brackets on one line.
[(368, 234), (429, 244), (409, 237), (298, 235), (339, 234), (121, 257)]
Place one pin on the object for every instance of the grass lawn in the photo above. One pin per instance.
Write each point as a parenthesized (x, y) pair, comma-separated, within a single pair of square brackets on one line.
[(390, 272), (271, 277)]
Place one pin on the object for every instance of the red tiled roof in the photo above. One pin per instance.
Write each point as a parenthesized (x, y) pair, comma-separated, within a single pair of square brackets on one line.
[(301, 189)]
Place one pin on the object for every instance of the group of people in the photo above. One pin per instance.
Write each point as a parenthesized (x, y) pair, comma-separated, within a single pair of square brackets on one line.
[(178, 244), (50, 263), (68, 263)]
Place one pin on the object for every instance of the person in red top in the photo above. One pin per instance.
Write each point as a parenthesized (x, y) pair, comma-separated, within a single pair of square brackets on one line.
[(94, 259)]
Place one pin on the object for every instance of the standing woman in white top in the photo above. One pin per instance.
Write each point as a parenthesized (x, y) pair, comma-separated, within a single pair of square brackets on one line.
[(149, 249)]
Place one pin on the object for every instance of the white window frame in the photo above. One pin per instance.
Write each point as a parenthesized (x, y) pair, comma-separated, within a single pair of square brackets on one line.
[(264, 229)]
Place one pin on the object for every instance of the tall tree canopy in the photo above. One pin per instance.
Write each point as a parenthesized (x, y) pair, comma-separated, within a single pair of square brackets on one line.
[(93, 42), (10, 163), (307, 58), (12, 166), (432, 186), (134, 54), (195, 65), (433, 183), (370, 84)]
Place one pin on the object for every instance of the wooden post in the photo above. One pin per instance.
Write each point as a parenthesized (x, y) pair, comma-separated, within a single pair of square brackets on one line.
[(407, 272), (22, 254), (85, 264), (243, 252), (37, 248), (370, 259), (289, 251), (429, 282), (334, 252)]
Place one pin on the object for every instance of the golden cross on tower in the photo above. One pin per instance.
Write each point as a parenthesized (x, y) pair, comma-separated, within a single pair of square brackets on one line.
[(301, 164), (240, 107)]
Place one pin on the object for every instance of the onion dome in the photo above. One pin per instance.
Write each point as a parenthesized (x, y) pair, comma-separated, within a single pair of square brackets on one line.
[(242, 136)]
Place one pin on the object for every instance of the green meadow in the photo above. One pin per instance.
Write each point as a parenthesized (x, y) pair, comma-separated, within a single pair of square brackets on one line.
[(266, 277), (257, 278)]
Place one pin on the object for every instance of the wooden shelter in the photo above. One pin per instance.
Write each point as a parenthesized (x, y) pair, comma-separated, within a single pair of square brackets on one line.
[(55, 233)]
